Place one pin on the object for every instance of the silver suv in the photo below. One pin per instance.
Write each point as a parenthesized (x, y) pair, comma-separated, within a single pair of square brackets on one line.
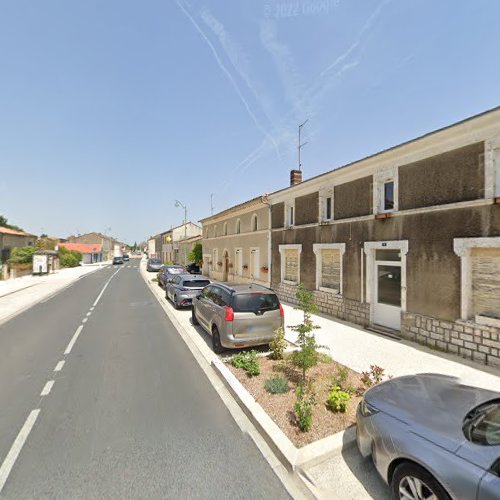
[(238, 315)]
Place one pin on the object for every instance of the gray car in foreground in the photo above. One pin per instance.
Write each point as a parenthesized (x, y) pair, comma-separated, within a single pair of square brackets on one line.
[(181, 289), (432, 438), (238, 315)]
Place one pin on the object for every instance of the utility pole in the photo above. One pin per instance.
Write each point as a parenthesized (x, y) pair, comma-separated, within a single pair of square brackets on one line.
[(301, 145), (179, 204)]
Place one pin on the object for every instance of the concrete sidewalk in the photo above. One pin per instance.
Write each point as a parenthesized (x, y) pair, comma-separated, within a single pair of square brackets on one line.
[(358, 348), (19, 294)]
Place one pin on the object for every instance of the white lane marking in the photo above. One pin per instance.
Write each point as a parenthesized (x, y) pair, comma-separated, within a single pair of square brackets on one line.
[(89, 313), (59, 366), (48, 387), (104, 288), (92, 308), (73, 340), (84, 320), (16, 448)]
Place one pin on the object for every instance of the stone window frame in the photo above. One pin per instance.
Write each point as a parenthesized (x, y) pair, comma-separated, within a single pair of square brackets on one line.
[(462, 247), (255, 223), (317, 247), (324, 194), (224, 229), (238, 226), (238, 272), (282, 248), (289, 205), (380, 178), (215, 259)]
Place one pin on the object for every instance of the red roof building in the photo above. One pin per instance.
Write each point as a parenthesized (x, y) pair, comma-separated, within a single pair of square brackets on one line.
[(91, 253)]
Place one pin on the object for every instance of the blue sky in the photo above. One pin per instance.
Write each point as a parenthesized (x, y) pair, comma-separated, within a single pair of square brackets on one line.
[(112, 109)]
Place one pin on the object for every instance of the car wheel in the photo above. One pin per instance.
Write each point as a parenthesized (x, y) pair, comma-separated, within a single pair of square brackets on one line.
[(194, 319), (412, 482), (216, 345)]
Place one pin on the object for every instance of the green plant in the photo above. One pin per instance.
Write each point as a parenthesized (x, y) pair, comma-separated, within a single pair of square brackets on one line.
[(21, 255), (247, 360), (325, 358), (196, 254), (337, 400), (308, 355), (276, 385), (69, 258), (350, 389), (306, 399), (372, 377), (278, 344), (341, 377)]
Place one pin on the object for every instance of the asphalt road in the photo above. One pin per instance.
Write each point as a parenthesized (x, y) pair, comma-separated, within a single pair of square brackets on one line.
[(129, 415)]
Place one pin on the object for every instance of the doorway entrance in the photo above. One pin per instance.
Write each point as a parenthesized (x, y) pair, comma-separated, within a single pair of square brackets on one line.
[(225, 263), (386, 282)]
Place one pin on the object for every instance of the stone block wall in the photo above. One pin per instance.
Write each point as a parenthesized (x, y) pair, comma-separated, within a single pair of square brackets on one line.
[(464, 338), (329, 303)]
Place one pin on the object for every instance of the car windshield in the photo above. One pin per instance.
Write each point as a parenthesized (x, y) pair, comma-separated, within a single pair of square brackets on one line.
[(482, 426), (176, 270), (155, 261), (255, 302), (195, 283)]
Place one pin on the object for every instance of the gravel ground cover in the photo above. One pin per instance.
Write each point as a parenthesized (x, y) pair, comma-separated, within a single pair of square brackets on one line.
[(280, 407)]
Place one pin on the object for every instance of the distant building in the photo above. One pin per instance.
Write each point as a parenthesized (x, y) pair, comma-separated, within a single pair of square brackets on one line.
[(172, 247), (11, 238), (107, 242), (90, 253)]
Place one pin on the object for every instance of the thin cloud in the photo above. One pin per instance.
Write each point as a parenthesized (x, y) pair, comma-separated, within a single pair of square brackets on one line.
[(228, 75)]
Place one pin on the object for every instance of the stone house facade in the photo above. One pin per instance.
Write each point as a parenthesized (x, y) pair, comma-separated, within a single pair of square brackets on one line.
[(173, 248), (406, 240), (12, 238), (107, 242), (236, 243)]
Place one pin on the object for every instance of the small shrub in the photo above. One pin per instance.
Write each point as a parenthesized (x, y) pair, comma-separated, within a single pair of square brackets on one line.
[(276, 385), (278, 344), (350, 389), (337, 400), (21, 255), (341, 377), (372, 377), (325, 358), (306, 399), (247, 360)]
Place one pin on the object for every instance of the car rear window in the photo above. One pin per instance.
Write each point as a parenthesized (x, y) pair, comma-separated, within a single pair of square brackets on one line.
[(176, 270), (155, 261), (195, 283), (255, 302)]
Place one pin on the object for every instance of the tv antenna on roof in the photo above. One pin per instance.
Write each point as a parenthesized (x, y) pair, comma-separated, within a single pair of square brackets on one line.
[(301, 145)]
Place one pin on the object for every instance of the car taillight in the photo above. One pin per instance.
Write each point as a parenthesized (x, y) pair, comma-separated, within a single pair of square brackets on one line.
[(282, 311), (229, 313)]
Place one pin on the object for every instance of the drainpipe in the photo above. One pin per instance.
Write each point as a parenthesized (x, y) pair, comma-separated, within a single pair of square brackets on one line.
[(264, 198)]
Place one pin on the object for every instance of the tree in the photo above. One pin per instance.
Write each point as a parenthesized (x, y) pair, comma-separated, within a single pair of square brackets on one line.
[(196, 254), (21, 255), (4, 223), (69, 258)]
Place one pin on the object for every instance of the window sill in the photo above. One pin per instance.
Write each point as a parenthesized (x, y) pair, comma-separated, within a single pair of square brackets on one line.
[(333, 291), (487, 321), (384, 215), (287, 282)]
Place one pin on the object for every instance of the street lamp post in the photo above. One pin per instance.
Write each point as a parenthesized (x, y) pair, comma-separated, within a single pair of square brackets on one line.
[(179, 204)]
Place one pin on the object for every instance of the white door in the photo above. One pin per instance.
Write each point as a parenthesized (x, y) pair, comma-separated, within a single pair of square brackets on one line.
[(387, 292), (254, 264)]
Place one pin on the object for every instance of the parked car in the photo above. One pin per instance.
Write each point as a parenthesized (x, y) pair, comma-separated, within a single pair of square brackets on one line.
[(182, 288), (166, 273), (153, 265), (126, 257), (238, 315), (117, 260), (431, 437), (193, 268)]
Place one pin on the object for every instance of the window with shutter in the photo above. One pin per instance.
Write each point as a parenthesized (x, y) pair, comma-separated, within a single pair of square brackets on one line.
[(291, 266), (485, 267), (330, 269)]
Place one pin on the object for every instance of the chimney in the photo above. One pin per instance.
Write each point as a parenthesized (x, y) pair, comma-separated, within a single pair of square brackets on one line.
[(295, 177)]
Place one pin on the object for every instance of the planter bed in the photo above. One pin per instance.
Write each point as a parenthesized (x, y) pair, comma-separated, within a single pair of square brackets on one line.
[(280, 407)]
